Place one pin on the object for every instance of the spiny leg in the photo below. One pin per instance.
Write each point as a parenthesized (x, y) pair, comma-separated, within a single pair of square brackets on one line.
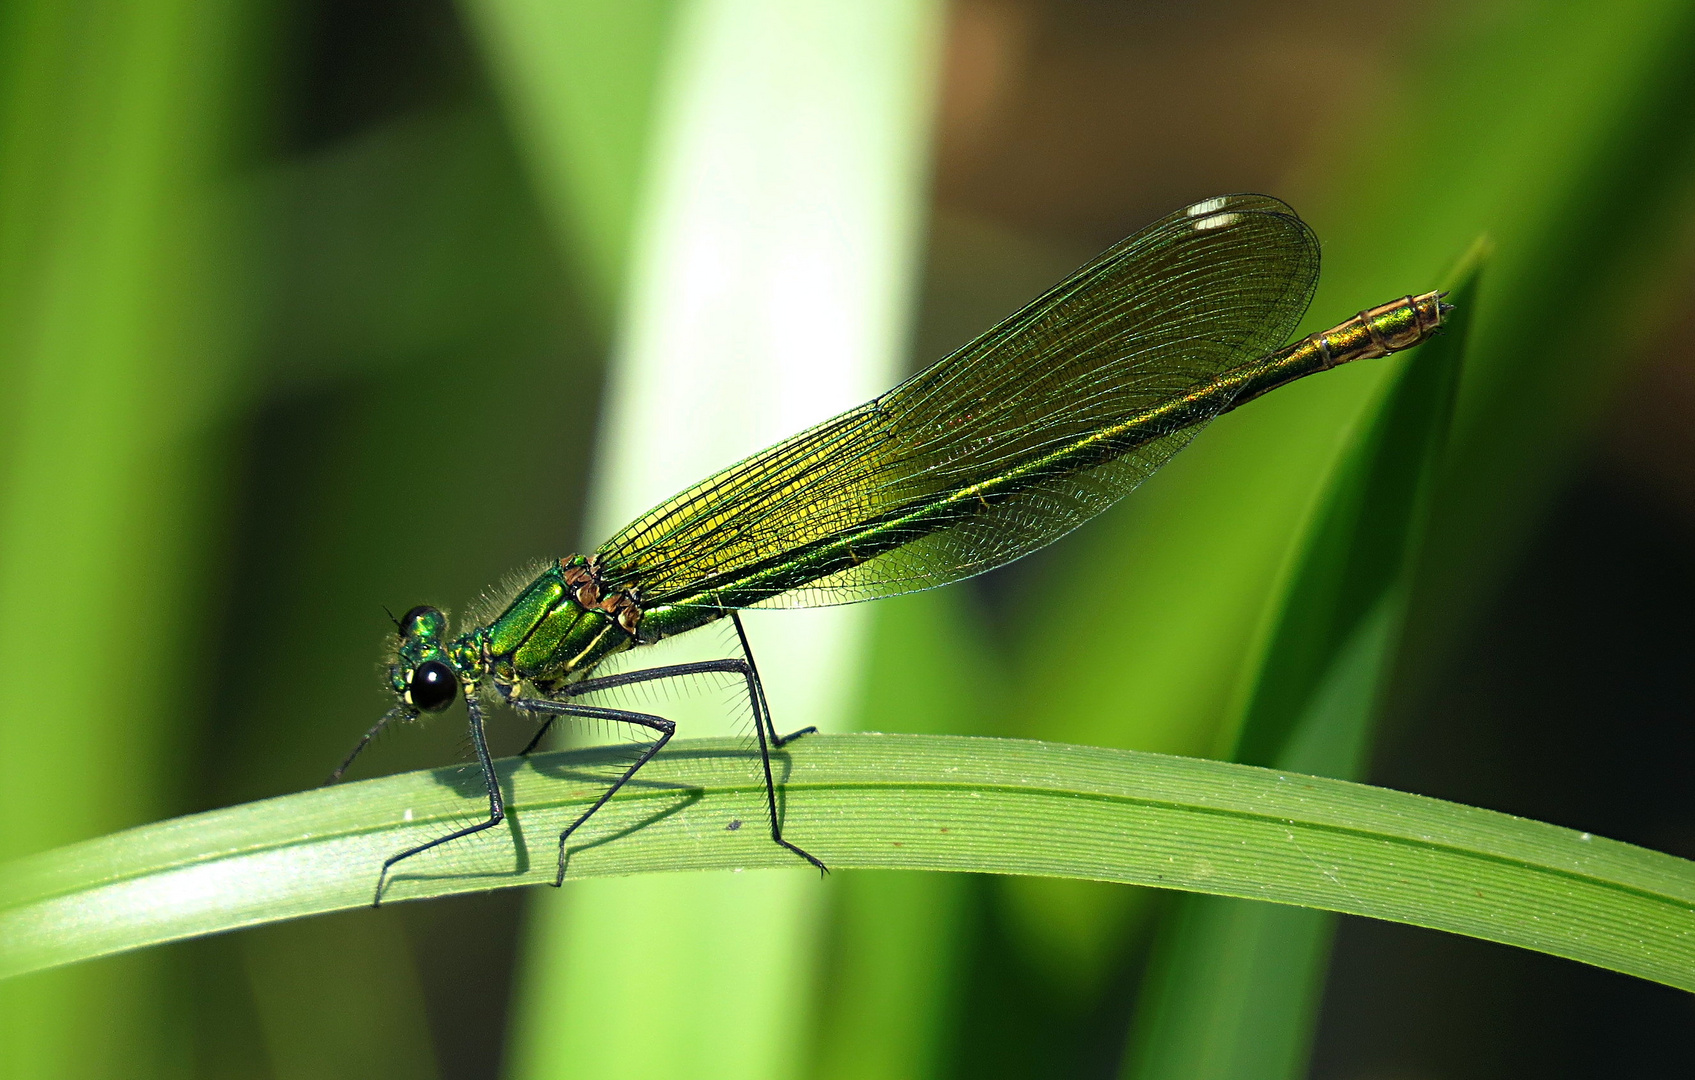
[(756, 699), (541, 732), (666, 729), (756, 689), (756, 685), (765, 763), (496, 803), (744, 667)]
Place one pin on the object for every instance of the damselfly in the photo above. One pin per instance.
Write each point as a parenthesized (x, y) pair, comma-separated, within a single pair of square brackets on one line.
[(999, 449)]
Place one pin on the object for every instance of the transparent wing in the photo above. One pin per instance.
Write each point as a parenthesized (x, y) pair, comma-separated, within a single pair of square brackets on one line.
[(1158, 316)]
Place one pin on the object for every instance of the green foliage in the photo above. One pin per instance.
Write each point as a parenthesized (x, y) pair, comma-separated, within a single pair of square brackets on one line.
[(925, 802), (118, 337), (1558, 133), (1234, 987), (217, 368)]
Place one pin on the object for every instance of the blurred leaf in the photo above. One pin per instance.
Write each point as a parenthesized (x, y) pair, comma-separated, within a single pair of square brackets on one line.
[(1366, 526), (371, 1022), (1558, 130), (420, 332), (878, 801), (1233, 987), (411, 240), (892, 981), (1562, 133), (121, 332), (774, 241), (580, 79)]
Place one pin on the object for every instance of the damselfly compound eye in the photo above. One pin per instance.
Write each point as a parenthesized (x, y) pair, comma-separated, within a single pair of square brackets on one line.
[(433, 686)]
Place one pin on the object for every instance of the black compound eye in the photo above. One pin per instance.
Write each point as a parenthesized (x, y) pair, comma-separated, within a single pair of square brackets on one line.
[(433, 686)]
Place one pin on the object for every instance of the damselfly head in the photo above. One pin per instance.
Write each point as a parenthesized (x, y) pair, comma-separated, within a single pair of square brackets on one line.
[(421, 675)]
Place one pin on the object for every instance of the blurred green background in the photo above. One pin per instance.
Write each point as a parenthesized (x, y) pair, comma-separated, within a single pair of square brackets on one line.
[(309, 308)]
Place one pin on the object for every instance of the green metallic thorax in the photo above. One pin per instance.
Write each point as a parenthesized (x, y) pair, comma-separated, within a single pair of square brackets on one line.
[(545, 637)]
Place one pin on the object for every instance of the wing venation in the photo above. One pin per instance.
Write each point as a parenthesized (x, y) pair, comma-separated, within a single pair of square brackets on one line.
[(1156, 317)]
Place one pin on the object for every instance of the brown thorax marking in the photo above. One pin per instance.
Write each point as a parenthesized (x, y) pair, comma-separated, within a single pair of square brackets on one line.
[(623, 607)]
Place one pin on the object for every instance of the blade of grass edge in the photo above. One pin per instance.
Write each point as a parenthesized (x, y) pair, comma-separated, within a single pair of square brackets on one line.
[(768, 290), (579, 82), (929, 802), (1565, 139), (121, 331), (891, 985), (1233, 985)]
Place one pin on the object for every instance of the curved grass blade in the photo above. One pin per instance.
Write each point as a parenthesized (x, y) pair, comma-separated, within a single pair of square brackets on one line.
[(887, 802), (1233, 988)]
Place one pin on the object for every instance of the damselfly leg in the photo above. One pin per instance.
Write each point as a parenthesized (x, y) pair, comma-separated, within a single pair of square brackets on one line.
[(665, 728), (496, 803), (555, 707)]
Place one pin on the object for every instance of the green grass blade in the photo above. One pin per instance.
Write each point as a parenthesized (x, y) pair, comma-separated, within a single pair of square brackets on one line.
[(921, 802), (1365, 527), (408, 267), (1233, 988), (1563, 135), (121, 332), (1232, 991), (898, 940), (775, 235), (579, 83), (1560, 133)]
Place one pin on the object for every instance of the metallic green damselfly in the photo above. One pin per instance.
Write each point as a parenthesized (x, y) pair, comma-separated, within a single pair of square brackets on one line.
[(999, 449)]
